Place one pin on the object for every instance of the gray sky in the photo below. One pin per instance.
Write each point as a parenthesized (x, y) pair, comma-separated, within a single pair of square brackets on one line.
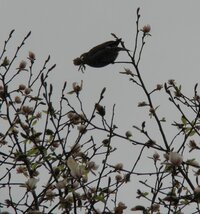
[(66, 29)]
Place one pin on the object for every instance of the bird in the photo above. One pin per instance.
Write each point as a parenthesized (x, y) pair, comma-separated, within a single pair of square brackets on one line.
[(100, 55)]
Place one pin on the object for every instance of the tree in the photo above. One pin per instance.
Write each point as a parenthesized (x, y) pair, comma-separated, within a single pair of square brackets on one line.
[(36, 138)]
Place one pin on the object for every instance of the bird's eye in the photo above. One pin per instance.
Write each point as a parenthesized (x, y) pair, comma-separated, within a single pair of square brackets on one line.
[(82, 57)]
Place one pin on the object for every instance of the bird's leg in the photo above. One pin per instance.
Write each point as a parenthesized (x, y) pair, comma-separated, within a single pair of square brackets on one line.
[(82, 68)]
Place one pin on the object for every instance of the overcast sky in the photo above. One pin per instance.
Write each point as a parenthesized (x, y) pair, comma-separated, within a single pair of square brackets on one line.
[(66, 29)]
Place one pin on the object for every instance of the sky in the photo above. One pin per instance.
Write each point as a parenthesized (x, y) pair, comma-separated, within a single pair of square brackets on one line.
[(66, 29)]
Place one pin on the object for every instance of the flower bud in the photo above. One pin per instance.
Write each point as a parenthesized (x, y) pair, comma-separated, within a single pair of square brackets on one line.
[(156, 156), (128, 134), (17, 100), (22, 65), (31, 56), (27, 91), (5, 62)]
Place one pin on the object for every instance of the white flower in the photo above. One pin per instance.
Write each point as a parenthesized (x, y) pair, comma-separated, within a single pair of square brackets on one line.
[(31, 183), (61, 184), (193, 163), (175, 158), (76, 170)]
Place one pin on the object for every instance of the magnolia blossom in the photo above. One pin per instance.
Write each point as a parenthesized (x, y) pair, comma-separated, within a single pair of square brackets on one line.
[(159, 86), (193, 163), (22, 65), (118, 178), (31, 183), (121, 206), (61, 184), (118, 166), (50, 194), (155, 207), (76, 170), (75, 118), (27, 91), (156, 156), (92, 165), (18, 100), (146, 29), (76, 87), (31, 56), (175, 158), (22, 87), (82, 129)]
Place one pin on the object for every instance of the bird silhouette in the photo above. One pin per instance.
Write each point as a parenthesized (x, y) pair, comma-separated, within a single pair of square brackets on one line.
[(101, 55)]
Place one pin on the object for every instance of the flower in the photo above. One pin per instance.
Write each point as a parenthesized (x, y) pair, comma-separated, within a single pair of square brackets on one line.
[(22, 65), (17, 100), (76, 87), (193, 145), (75, 118), (82, 129), (38, 115), (50, 194), (120, 207), (197, 193), (175, 158), (118, 166), (118, 178), (91, 165), (159, 87), (26, 110), (100, 109), (27, 91), (155, 207), (61, 184), (146, 29), (193, 163), (22, 87), (171, 82), (76, 170), (31, 56), (127, 72), (156, 156), (31, 183), (22, 170)]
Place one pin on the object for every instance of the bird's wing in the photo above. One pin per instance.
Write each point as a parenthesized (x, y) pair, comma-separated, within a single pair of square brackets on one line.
[(105, 45)]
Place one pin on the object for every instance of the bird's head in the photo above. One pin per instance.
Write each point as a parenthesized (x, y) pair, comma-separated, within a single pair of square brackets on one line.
[(81, 61)]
